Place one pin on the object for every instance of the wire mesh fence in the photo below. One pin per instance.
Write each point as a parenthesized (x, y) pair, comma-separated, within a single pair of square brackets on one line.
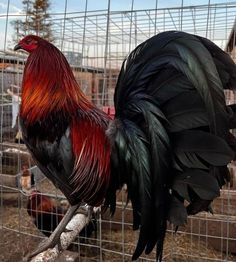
[(95, 42)]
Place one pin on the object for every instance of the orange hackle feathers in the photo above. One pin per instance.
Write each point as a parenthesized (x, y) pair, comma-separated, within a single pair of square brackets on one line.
[(49, 87)]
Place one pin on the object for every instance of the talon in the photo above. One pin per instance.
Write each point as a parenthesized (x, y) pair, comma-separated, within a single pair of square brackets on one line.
[(67, 230), (43, 246), (59, 246), (85, 210)]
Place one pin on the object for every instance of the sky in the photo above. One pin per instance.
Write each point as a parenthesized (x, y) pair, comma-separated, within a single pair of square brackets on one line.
[(116, 5), (58, 6)]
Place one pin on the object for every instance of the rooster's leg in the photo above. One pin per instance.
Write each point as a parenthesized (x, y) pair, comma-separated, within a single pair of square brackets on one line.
[(54, 239)]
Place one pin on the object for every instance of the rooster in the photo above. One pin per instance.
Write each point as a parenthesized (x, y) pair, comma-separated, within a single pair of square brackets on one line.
[(169, 140), (46, 215)]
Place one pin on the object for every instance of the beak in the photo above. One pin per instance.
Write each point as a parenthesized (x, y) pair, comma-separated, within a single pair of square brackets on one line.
[(17, 47)]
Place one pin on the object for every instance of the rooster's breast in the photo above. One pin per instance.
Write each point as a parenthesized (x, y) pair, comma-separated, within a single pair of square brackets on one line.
[(50, 145)]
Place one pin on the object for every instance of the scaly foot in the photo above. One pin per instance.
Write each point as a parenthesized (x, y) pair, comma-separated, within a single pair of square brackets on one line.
[(54, 239)]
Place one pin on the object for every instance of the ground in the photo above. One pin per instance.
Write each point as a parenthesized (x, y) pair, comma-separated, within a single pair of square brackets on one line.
[(14, 245), (115, 243)]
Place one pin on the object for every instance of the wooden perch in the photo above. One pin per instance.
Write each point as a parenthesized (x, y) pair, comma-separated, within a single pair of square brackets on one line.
[(77, 223)]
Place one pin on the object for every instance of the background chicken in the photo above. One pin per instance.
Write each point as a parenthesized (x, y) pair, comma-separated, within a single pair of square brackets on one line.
[(47, 215), (169, 140)]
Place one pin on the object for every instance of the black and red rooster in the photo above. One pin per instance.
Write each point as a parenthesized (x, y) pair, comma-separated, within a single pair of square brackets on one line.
[(169, 140)]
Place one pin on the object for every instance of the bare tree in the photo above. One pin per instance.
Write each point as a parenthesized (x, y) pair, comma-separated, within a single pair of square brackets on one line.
[(36, 20)]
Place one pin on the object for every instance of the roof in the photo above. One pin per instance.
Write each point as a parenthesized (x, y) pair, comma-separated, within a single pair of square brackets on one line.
[(9, 58)]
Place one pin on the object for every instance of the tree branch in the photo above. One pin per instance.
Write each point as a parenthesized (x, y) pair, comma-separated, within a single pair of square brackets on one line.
[(77, 223)]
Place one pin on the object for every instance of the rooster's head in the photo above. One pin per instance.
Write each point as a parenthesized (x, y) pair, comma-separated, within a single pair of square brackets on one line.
[(29, 43)]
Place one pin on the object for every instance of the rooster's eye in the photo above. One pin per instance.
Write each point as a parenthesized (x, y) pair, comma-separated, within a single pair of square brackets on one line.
[(28, 41)]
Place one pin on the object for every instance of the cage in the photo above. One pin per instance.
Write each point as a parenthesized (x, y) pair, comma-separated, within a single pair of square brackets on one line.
[(95, 38)]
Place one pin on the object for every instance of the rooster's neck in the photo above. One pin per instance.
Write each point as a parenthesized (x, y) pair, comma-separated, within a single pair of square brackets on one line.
[(50, 87), (41, 102)]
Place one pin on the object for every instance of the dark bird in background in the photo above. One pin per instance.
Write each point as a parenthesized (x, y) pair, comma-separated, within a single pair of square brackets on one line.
[(47, 215), (169, 141)]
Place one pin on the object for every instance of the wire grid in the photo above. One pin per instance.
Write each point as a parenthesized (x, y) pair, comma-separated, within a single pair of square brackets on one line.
[(95, 43), (92, 35)]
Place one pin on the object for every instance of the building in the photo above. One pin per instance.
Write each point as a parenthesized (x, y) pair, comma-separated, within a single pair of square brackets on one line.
[(231, 44), (74, 58)]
